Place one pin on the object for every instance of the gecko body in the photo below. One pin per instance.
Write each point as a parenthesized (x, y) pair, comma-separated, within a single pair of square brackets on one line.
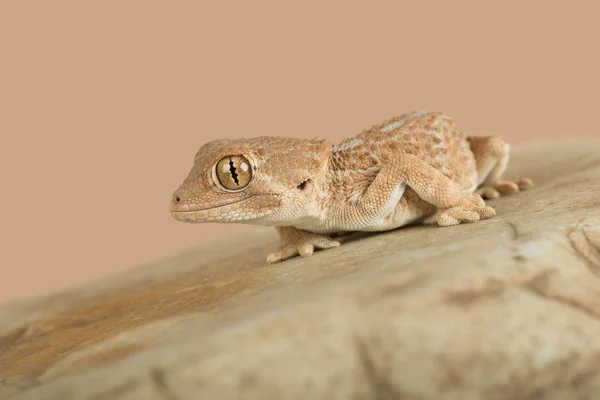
[(414, 168)]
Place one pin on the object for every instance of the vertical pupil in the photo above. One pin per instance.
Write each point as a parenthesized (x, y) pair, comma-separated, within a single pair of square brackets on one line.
[(234, 174)]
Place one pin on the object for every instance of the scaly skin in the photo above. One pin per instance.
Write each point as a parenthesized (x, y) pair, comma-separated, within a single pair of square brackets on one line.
[(414, 168)]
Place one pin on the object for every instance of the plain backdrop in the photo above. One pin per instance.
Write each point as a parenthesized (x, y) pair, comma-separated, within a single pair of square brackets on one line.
[(103, 104)]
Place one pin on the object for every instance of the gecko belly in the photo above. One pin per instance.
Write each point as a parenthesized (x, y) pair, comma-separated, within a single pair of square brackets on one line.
[(410, 209), (404, 208)]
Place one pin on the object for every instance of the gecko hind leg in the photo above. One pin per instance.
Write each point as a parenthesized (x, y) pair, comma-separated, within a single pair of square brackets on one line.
[(455, 205), (491, 159)]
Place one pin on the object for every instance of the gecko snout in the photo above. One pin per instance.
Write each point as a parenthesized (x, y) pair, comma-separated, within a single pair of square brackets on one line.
[(178, 202), (177, 197)]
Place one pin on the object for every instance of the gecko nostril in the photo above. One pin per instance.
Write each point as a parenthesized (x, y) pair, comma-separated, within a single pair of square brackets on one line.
[(177, 199)]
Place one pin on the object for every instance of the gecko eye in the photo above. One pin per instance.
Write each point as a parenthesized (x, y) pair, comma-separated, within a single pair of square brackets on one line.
[(234, 172)]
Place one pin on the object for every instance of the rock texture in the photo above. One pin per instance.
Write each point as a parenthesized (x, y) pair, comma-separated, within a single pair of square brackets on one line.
[(507, 308)]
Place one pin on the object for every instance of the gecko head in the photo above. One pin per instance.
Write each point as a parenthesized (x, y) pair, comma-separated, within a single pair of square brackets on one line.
[(263, 180)]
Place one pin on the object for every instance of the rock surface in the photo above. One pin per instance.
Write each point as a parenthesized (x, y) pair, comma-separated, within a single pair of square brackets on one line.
[(507, 308)]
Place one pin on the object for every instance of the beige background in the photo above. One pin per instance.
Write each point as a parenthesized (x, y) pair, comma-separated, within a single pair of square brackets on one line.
[(103, 104)]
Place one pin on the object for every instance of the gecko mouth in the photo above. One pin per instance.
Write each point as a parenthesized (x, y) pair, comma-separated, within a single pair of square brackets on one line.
[(223, 213)]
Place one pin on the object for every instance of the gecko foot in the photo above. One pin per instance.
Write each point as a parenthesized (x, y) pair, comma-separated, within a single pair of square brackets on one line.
[(503, 187), (302, 243), (471, 209)]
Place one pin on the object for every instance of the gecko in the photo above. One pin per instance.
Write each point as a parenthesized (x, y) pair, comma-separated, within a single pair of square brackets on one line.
[(416, 168)]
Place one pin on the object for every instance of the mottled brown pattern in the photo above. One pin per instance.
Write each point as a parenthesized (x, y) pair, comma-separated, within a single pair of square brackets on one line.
[(418, 167), (433, 137)]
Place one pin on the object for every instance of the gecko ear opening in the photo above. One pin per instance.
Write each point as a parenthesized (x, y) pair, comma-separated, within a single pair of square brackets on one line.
[(234, 173), (302, 186)]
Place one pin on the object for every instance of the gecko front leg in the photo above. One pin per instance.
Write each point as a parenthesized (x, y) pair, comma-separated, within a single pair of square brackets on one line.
[(296, 241), (455, 205)]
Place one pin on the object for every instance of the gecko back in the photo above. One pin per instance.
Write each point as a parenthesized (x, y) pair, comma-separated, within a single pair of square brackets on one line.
[(433, 137)]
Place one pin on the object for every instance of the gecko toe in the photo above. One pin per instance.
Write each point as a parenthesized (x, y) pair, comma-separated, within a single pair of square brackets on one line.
[(306, 249), (477, 200), (274, 258), (459, 214), (327, 244), (488, 192), (487, 212), (524, 183), (506, 187), (447, 220), (283, 254)]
